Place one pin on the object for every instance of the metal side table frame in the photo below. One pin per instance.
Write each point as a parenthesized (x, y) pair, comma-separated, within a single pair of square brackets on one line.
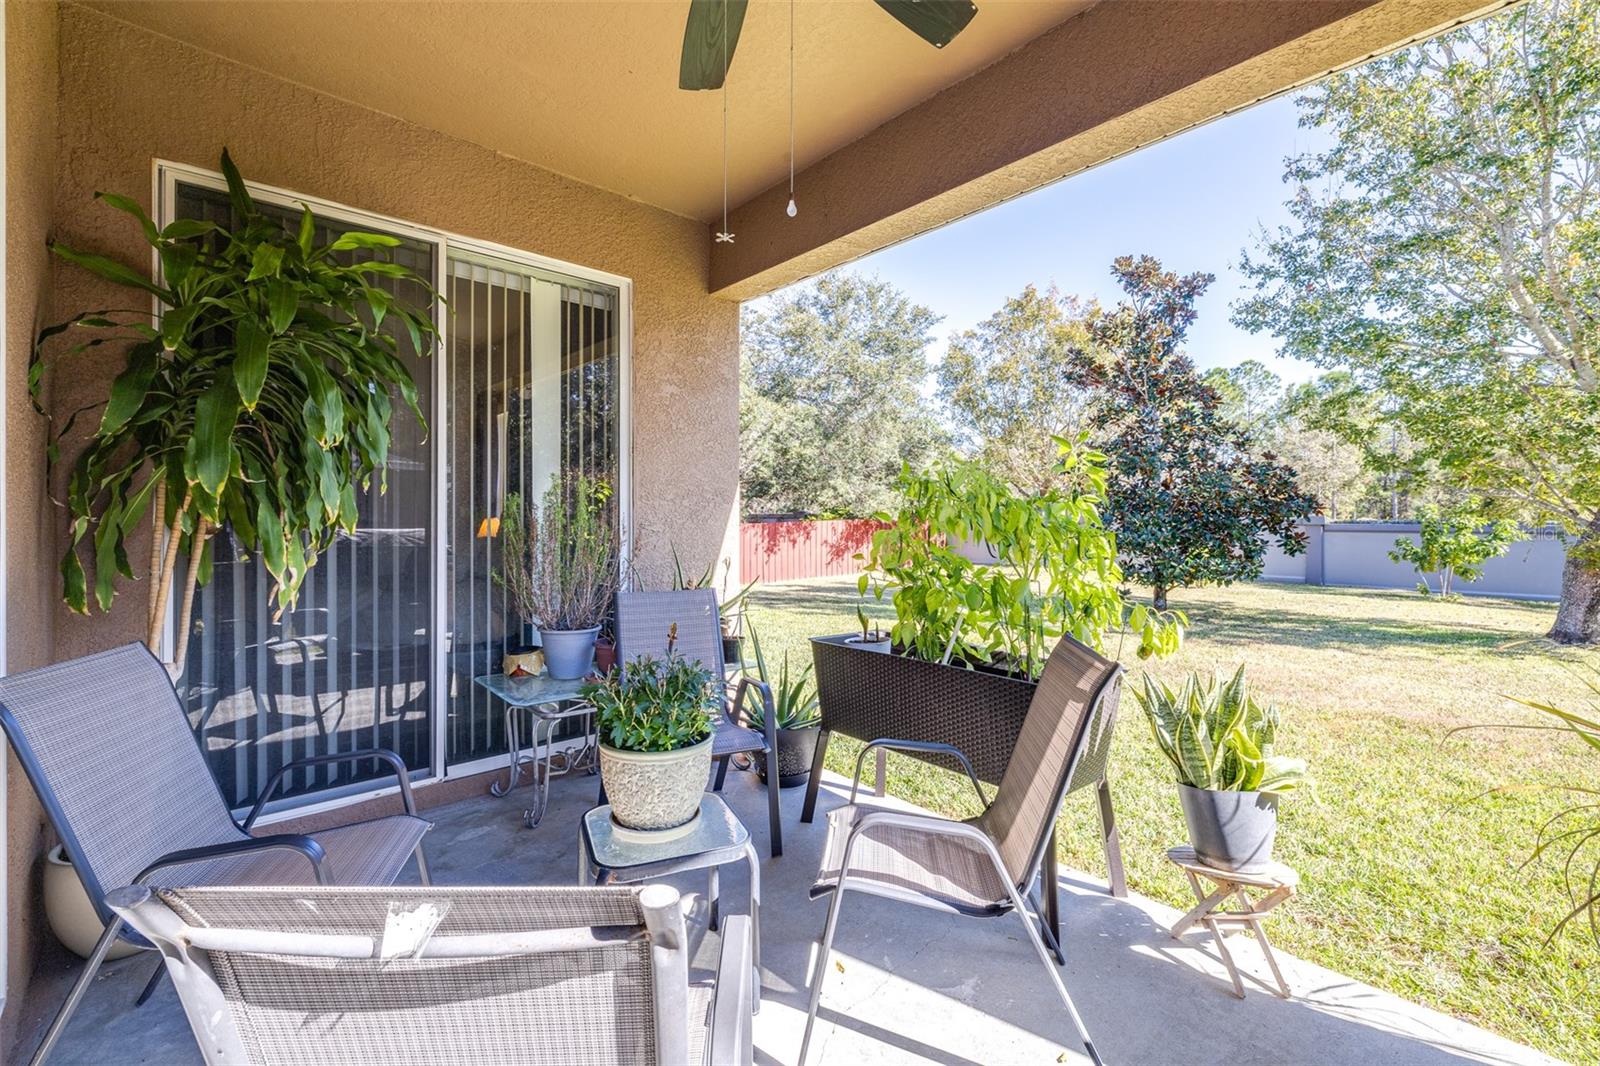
[(548, 702), (606, 857)]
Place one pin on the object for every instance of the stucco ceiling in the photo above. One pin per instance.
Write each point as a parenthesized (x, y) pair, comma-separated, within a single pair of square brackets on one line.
[(589, 89)]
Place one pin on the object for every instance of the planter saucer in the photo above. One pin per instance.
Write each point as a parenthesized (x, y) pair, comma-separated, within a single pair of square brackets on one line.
[(653, 836)]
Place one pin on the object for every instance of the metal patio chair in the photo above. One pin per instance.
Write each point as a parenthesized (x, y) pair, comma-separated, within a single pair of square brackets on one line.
[(986, 866), (106, 745), (535, 976), (644, 620)]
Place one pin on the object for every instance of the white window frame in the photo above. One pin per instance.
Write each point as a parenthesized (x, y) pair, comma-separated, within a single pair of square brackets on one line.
[(166, 176)]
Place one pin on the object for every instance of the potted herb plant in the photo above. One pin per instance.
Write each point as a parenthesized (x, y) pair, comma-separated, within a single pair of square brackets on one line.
[(794, 706), (1219, 738), (654, 722), (560, 569)]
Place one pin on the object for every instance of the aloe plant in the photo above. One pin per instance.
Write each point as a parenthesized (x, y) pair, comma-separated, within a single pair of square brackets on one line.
[(794, 700), (1218, 736)]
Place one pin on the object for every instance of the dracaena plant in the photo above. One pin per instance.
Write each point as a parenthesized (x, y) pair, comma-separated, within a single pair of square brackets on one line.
[(1218, 736), (263, 399)]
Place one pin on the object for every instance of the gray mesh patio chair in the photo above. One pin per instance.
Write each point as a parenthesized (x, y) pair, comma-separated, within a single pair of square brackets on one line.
[(106, 745), (986, 866), (564, 976), (644, 620)]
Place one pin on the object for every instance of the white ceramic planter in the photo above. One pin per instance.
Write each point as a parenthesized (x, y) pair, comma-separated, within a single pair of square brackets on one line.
[(68, 910), (870, 645), (655, 789)]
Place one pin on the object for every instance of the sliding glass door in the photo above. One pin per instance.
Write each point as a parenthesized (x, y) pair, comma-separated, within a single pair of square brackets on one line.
[(350, 665), (532, 396), (395, 622)]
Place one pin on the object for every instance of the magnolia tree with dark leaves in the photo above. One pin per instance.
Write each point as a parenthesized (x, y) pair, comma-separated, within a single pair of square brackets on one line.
[(1190, 500)]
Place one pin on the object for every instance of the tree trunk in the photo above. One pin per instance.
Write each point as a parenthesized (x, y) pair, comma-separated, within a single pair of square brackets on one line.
[(1578, 618), (1159, 597)]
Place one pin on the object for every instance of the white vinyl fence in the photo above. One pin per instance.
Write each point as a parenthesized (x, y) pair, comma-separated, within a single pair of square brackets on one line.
[(1357, 554)]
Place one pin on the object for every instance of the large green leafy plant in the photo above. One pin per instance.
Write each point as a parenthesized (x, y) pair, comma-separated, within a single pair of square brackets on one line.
[(1453, 542), (1218, 736), (263, 398), (1055, 572), (653, 705)]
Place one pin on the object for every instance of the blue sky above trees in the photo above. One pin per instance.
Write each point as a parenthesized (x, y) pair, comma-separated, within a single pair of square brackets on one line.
[(1194, 202)]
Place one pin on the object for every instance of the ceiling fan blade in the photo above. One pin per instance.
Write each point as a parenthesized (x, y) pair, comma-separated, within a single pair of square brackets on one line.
[(935, 21), (705, 62)]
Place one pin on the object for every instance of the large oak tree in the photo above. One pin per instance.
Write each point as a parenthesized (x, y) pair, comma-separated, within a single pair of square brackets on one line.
[(1446, 250)]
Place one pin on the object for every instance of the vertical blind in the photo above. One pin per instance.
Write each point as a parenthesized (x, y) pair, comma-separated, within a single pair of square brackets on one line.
[(532, 394), (349, 666)]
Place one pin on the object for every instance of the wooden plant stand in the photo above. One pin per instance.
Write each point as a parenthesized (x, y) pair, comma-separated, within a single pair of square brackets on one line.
[(1276, 882)]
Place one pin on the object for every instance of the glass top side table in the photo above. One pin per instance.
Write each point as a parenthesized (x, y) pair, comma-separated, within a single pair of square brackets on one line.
[(609, 855), (548, 702)]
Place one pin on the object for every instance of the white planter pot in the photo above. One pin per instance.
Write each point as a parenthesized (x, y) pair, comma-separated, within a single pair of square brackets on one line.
[(870, 645), (655, 789), (68, 910)]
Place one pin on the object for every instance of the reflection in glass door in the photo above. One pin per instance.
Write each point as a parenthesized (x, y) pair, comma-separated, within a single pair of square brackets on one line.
[(533, 389)]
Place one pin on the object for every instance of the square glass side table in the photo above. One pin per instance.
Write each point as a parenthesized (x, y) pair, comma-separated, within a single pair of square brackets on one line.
[(610, 854), (548, 702)]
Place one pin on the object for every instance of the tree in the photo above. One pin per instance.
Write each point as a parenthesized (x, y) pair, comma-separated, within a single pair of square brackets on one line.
[(1453, 542), (1250, 396), (832, 400), (1007, 386), (1450, 257), (1188, 502)]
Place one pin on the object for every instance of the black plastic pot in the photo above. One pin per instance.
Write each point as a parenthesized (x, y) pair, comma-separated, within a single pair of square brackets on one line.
[(1230, 830), (732, 650), (796, 748)]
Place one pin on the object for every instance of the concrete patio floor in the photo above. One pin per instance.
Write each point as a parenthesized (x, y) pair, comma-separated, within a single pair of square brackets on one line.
[(909, 985)]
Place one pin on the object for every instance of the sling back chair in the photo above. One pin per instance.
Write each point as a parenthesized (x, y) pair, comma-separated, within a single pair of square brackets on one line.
[(107, 746), (644, 622), (535, 976), (986, 866)]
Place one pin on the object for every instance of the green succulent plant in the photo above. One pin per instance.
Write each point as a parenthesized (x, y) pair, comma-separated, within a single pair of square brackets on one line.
[(1218, 736), (653, 705), (794, 700)]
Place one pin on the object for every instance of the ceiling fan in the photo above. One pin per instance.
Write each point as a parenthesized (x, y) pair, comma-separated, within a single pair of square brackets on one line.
[(706, 57)]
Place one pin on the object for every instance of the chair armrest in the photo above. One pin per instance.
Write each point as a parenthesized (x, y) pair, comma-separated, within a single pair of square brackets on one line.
[(381, 754), (246, 846), (769, 714), (918, 745), (730, 1038)]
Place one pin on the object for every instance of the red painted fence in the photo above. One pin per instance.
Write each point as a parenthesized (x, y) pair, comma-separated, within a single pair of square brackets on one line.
[(794, 550)]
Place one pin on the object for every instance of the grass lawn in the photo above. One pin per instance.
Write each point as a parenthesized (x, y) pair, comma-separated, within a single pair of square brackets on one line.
[(1412, 878)]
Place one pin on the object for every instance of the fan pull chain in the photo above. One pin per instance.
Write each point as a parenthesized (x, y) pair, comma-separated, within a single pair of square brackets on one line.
[(791, 210), (723, 235)]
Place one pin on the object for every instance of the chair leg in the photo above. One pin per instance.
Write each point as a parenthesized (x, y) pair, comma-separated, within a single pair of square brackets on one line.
[(422, 866), (722, 773), (152, 984), (822, 968), (774, 813), (1050, 900), (64, 1015), (1031, 924), (1112, 841)]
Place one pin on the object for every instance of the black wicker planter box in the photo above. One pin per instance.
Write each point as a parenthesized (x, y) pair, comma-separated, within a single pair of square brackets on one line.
[(871, 694)]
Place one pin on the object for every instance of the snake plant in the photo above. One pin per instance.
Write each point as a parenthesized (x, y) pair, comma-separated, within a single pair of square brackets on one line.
[(1218, 736)]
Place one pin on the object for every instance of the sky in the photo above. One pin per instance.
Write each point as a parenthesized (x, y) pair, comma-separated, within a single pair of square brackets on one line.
[(1194, 201)]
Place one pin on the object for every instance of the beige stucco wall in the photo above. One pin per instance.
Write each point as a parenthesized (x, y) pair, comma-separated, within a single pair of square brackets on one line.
[(30, 569), (126, 97), (129, 96)]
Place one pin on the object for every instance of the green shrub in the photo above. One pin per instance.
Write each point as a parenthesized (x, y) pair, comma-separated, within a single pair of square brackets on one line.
[(654, 705)]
